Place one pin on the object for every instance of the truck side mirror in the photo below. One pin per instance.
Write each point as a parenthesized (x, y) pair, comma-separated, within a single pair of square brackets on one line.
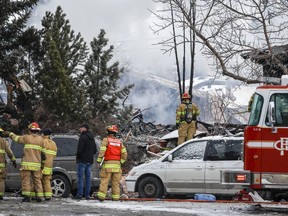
[(272, 113), (170, 158), (272, 116)]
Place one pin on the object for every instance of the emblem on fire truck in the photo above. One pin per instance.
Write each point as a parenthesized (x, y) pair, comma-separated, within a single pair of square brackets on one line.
[(281, 145)]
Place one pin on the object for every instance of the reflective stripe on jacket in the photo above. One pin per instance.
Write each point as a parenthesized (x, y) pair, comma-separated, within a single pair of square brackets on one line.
[(33, 147), (50, 152), (4, 148), (113, 151), (181, 112), (111, 165)]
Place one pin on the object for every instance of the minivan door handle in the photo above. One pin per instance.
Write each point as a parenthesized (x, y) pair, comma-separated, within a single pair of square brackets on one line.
[(198, 167), (211, 167)]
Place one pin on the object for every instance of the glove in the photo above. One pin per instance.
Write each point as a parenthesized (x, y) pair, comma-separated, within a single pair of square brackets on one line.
[(14, 164), (6, 133)]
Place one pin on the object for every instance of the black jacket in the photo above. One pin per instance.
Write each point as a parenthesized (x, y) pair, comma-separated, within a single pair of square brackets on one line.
[(86, 148)]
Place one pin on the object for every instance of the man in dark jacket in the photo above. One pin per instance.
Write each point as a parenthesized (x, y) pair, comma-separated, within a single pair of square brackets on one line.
[(84, 159)]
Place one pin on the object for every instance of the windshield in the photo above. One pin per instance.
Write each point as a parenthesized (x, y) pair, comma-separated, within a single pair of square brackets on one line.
[(256, 109)]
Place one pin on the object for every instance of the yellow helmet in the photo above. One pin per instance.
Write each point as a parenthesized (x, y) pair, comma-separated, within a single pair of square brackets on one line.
[(1, 130)]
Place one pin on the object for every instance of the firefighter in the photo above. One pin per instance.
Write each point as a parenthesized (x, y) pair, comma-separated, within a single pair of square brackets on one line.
[(4, 148), (33, 157), (112, 155), (186, 116), (50, 153)]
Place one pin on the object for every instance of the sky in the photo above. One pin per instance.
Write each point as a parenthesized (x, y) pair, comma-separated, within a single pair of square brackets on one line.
[(128, 26), (126, 23)]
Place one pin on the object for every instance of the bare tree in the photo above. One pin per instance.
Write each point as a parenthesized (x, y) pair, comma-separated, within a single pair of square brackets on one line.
[(236, 34)]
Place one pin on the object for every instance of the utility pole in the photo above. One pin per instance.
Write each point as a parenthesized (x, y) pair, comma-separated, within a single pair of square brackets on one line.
[(184, 54), (175, 48), (192, 44)]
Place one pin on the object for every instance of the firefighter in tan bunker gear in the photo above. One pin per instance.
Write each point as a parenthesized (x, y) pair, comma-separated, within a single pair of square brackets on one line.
[(4, 149), (186, 116), (113, 154), (33, 157), (50, 152)]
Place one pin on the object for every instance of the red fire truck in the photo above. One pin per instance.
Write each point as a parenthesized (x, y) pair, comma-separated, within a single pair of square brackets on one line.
[(265, 151)]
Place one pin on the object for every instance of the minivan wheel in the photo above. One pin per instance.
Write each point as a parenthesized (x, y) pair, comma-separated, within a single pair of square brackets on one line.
[(60, 186), (150, 187)]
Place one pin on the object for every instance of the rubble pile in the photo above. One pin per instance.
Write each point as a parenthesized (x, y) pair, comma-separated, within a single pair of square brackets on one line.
[(146, 145), (137, 150)]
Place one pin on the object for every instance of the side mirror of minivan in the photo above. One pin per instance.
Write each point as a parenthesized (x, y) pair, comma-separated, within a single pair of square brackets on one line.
[(170, 158)]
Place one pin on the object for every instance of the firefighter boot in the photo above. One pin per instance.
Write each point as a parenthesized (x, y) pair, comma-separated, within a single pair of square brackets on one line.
[(38, 199), (26, 199)]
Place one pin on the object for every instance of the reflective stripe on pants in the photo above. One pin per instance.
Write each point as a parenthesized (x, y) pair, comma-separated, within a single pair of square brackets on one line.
[(46, 182), (30, 178), (115, 183)]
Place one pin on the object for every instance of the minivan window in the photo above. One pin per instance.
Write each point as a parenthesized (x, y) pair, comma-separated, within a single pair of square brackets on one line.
[(224, 150), (193, 150), (66, 146), (17, 149)]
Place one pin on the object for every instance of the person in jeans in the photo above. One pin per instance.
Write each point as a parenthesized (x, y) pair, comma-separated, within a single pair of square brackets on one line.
[(84, 158)]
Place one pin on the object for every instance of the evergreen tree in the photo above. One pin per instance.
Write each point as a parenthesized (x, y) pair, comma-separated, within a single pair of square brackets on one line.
[(64, 54), (13, 18), (101, 80), (29, 64)]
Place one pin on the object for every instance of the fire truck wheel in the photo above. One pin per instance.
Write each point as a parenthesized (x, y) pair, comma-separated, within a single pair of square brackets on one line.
[(150, 187)]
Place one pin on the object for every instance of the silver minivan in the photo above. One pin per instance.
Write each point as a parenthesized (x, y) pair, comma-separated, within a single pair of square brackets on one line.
[(64, 179), (193, 167)]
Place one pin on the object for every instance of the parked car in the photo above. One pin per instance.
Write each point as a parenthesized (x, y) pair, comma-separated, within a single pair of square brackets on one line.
[(193, 167), (64, 179)]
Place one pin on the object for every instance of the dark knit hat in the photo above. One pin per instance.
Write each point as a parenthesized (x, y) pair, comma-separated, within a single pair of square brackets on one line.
[(85, 126), (47, 131)]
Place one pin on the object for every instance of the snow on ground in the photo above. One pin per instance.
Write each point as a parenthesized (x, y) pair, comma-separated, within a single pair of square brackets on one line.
[(206, 209), (68, 206), (179, 208)]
